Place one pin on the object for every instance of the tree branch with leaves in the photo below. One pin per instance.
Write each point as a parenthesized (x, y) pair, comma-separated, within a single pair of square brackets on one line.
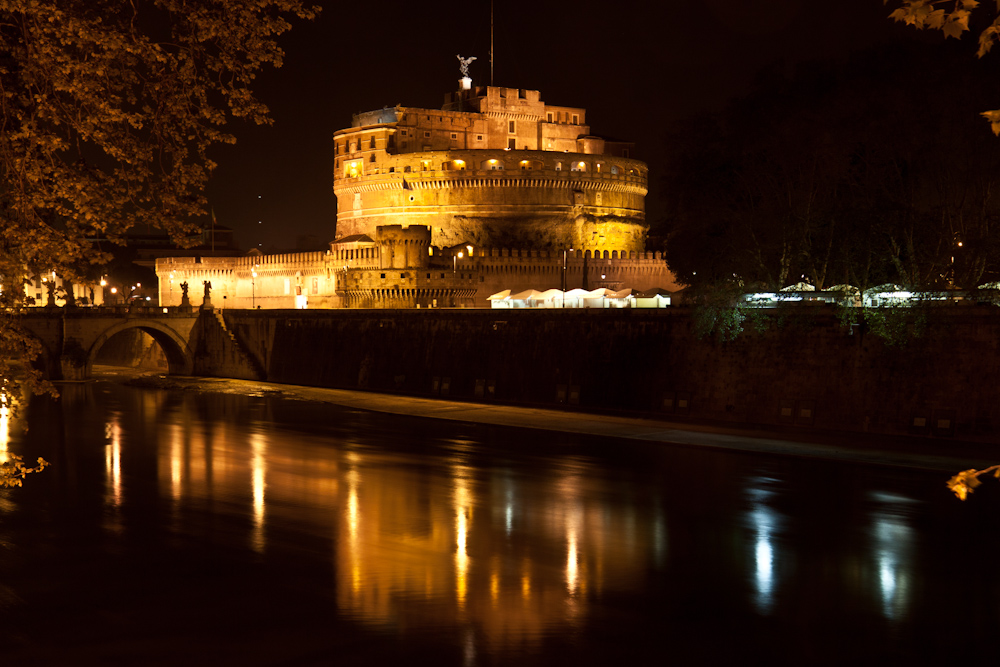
[(952, 18), (109, 113)]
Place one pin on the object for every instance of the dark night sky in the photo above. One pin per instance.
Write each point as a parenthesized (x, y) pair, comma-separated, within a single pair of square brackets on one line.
[(636, 66)]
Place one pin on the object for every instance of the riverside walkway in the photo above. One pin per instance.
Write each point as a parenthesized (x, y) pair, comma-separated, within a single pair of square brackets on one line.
[(926, 453)]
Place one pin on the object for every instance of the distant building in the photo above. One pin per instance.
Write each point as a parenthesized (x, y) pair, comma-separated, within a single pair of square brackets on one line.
[(442, 208), (495, 167)]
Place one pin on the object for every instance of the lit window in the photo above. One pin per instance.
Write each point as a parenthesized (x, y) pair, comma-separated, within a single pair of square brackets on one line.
[(558, 166), (352, 168), (614, 169), (425, 165)]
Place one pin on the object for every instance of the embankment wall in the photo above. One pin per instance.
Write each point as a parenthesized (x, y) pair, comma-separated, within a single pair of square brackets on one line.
[(808, 371)]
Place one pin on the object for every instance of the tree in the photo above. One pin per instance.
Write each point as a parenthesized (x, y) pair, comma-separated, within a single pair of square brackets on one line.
[(952, 17), (109, 110), (828, 175)]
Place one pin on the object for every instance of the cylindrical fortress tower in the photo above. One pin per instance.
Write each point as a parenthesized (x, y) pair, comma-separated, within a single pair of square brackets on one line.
[(403, 247), (495, 168)]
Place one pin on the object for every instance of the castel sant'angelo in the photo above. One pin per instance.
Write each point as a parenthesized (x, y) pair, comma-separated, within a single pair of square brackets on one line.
[(444, 207)]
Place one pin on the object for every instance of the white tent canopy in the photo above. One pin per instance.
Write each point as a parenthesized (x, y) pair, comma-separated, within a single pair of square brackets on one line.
[(601, 297)]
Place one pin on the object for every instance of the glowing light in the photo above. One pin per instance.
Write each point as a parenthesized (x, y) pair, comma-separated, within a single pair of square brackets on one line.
[(258, 448), (462, 504), (893, 543), (572, 567), (4, 427), (113, 460), (353, 523)]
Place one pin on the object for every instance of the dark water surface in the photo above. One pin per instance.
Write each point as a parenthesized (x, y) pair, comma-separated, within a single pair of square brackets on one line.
[(178, 527)]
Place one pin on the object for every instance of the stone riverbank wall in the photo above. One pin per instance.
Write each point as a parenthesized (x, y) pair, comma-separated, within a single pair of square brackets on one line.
[(809, 371)]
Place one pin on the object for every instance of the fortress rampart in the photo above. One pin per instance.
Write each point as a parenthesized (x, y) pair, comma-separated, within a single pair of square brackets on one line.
[(532, 198)]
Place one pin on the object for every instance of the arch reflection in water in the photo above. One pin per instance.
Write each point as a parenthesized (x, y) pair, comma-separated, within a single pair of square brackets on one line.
[(765, 525), (892, 547)]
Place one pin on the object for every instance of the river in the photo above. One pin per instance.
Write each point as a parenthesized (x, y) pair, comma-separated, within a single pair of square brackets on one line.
[(198, 526)]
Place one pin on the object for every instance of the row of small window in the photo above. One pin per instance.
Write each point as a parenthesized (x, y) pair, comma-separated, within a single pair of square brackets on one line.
[(461, 275), (352, 169)]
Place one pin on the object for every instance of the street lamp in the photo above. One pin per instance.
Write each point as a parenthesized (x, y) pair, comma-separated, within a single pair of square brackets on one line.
[(564, 276), (253, 287)]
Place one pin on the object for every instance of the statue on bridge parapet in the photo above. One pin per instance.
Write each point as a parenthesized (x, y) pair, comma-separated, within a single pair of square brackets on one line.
[(185, 303), (207, 301)]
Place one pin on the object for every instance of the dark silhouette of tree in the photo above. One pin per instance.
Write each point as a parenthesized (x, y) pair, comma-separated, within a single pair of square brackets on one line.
[(861, 173), (108, 114)]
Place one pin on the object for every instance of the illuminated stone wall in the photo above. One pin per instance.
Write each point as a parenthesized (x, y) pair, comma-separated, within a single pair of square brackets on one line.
[(400, 270), (495, 167), (534, 199), (288, 280)]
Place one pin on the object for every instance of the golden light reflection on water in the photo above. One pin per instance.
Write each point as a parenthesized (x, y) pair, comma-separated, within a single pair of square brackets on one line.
[(113, 460), (4, 428), (435, 544), (258, 448)]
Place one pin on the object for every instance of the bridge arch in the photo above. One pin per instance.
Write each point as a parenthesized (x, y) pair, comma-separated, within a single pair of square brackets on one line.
[(46, 362), (180, 358)]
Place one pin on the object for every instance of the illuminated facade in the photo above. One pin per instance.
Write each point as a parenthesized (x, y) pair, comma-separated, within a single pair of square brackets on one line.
[(493, 167), (442, 208)]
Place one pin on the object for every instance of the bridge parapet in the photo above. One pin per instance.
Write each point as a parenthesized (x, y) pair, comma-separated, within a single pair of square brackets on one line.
[(72, 337)]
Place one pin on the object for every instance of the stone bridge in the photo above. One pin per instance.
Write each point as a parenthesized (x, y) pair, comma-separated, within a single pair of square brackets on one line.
[(72, 337)]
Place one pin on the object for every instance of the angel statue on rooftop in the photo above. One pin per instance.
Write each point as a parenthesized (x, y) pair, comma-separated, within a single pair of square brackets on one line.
[(463, 64)]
